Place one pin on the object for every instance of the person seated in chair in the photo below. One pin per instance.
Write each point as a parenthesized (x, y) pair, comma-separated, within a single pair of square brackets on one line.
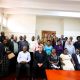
[(76, 58), (54, 60), (66, 60), (39, 64), (23, 60)]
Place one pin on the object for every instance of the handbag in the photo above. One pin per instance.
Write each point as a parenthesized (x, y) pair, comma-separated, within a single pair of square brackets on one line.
[(11, 55)]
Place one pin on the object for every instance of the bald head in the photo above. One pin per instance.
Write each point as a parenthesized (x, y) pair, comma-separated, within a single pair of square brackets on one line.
[(25, 48)]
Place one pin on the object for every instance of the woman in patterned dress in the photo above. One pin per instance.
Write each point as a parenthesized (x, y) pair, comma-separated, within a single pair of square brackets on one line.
[(66, 61)]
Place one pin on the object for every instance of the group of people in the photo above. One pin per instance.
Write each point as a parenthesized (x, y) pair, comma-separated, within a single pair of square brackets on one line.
[(35, 56)]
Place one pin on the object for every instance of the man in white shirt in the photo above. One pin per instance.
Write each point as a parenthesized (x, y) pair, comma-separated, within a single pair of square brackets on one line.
[(70, 47), (33, 44), (23, 60)]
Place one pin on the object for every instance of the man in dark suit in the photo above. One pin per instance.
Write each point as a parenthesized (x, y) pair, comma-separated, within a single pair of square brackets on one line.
[(20, 43), (39, 64), (76, 58)]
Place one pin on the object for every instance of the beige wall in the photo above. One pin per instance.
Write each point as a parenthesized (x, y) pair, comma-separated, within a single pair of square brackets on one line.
[(31, 25), (21, 24), (0, 21), (67, 26), (49, 24), (71, 27)]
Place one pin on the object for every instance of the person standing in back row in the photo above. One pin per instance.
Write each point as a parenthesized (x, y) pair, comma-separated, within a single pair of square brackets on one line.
[(48, 48), (2, 37), (77, 43), (14, 48), (23, 42)]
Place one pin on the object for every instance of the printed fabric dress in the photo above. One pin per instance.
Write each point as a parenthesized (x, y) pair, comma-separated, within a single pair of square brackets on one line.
[(66, 59)]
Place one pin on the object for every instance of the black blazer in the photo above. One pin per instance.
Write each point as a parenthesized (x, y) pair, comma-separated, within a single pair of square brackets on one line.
[(74, 56), (77, 65), (40, 58)]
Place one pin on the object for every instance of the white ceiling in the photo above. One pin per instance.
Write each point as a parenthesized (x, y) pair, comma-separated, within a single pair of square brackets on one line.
[(41, 7)]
